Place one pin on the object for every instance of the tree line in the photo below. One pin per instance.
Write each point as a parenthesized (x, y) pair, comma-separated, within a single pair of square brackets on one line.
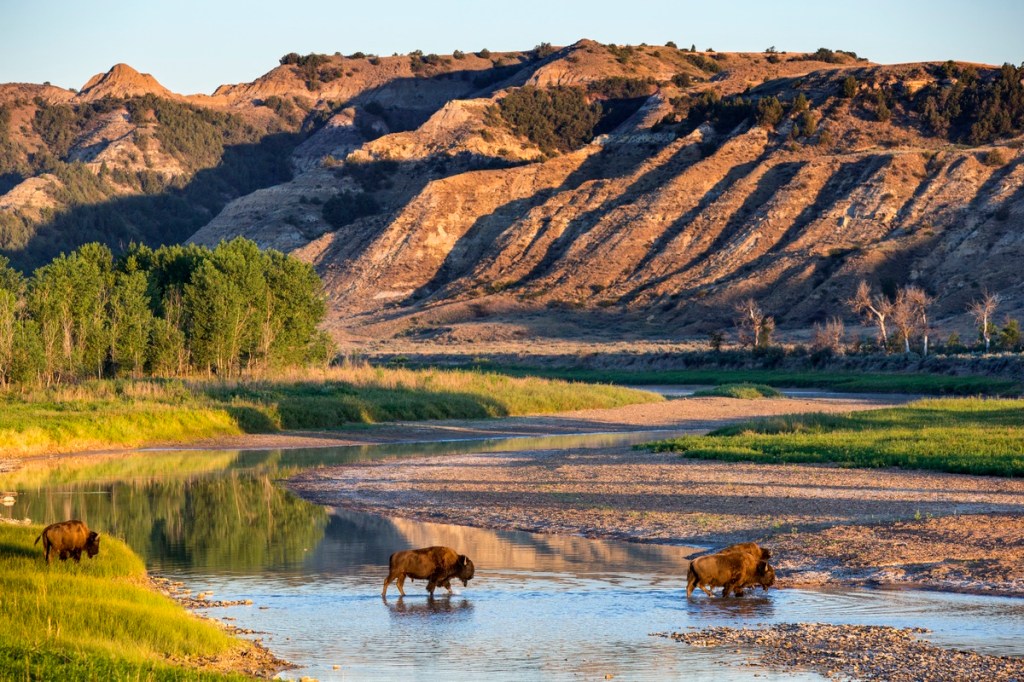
[(170, 311), (901, 323)]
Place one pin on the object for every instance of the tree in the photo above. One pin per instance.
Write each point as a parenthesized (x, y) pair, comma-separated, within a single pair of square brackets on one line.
[(875, 309), (131, 321), (918, 301), (983, 311), (800, 104), (1010, 337), (223, 303), (11, 288), (769, 112), (755, 328), (829, 337), (849, 87)]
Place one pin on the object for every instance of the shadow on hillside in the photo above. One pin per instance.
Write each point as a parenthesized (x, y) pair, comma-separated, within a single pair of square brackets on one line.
[(167, 217)]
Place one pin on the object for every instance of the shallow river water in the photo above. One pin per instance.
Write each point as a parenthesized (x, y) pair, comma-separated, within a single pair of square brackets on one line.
[(540, 607)]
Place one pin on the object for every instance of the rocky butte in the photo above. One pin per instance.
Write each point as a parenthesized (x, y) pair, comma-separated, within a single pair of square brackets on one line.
[(584, 189)]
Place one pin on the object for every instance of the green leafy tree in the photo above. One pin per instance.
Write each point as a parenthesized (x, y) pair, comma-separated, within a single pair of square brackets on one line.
[(224, 304), (131, 321)]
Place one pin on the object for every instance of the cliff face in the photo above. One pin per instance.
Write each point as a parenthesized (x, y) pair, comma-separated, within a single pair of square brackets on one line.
[(424, 205)]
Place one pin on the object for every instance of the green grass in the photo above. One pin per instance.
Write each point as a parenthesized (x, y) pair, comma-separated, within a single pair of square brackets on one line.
[(967, 435), (95, 620), (742, 391), (852, 382), (102, 414)]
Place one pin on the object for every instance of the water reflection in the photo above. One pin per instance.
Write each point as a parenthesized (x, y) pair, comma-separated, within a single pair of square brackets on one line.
[(444, 605)]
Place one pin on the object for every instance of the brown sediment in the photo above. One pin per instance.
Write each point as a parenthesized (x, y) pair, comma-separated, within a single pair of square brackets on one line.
[(863, 652)]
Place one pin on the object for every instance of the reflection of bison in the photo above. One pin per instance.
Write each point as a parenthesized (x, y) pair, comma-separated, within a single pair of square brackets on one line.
[(69, 538), (733, 569), (437, 565)]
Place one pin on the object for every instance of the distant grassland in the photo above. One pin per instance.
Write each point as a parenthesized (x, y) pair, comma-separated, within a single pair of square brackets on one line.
[(852, 382), (96, 620), (101, 414), (741, 391), (968, 435)]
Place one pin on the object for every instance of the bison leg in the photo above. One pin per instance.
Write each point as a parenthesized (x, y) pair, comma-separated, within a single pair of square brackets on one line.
[(691, 582), (727, 588), (387, 581), (401, 584), (46, 548), (77, 555)]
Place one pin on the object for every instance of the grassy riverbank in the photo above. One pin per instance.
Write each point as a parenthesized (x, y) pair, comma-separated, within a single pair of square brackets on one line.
[(102, 414), (973, 436), (848, 382), (98, 619)]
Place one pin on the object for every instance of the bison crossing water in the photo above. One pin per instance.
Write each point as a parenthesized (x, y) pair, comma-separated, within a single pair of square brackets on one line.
[(733, 569)]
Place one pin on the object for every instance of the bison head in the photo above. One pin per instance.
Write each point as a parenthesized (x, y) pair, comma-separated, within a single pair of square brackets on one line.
[(92, 544), (464, 569), (765, 575)]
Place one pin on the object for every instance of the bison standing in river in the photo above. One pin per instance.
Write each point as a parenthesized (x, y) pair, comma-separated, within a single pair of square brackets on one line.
[(732, 569), (437, 565), (68, 539)]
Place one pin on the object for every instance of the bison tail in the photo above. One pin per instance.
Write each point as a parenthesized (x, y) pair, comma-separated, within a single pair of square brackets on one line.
[(38, 538)]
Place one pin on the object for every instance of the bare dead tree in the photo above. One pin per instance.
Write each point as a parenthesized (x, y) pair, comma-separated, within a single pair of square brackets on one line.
[(875, 309), (755, 328), (903, 319), (983, 311), (918, 302), (830, 336)]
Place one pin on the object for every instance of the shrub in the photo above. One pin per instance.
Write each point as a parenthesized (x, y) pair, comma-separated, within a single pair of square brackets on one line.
[(347, 207), (849, 87), (555, 119), (543, 51), (769, 112)]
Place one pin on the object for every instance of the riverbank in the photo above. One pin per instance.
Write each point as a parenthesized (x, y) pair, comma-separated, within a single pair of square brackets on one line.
[(105, 618), (103, 415), (826, 525)]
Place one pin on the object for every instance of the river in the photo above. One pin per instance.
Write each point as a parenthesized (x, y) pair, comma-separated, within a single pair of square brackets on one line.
[(541, 606)]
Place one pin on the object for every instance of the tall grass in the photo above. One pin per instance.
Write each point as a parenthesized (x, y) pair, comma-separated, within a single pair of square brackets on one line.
[(852, 382), (743, 391), (101, 414), (970, 435), (96, 619)]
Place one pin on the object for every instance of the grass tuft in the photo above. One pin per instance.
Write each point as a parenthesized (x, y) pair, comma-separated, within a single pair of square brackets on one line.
[(969, 435), (743, 391)]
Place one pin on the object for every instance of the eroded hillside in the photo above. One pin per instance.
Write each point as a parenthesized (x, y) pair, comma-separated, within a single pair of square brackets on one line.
[(602, 188)]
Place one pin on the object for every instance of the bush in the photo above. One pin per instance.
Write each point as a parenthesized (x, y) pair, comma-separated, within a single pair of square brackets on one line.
[(555, 119), (347, 207), (769, 112), (849, 87)]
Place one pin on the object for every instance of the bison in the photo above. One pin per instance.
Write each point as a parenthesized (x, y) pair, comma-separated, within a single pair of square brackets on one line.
[(731, 570), (437, 565), (751, 548), (69, 538)]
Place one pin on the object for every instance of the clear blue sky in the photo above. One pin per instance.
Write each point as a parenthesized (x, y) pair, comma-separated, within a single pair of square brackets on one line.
[(194, 45)]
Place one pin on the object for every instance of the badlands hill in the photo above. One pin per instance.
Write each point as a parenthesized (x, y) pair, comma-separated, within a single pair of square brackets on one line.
[(588, 189)]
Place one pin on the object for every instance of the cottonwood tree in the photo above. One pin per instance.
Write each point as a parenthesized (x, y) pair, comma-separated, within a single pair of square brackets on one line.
[(983, 310), (876, 309), (131, 321), (903, 318), (755, 328), (11, 288), (918, 301), (830, 336)]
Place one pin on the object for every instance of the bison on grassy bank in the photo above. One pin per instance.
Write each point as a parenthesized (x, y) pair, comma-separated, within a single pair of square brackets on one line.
[(437, 565), (68, 539), (732, 569)]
